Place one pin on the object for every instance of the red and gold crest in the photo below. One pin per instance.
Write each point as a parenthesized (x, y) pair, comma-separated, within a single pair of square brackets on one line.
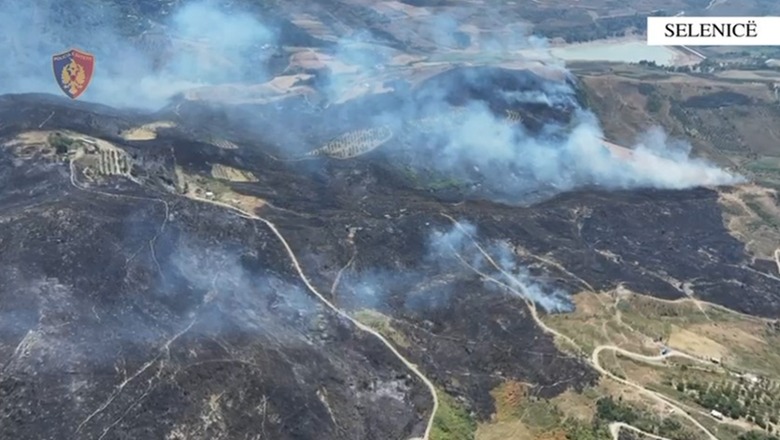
[(73, 71)]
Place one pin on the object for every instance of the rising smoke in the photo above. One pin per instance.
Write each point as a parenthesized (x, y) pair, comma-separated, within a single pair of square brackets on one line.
[(451, 255), (205, 44), (565, 157), (456, 247)]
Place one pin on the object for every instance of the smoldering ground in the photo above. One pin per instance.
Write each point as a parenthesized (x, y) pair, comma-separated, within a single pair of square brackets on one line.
[(221, 320), (451, 256), (204, 290), (513, 162), (238, 292), (203, 43), (455, 125)]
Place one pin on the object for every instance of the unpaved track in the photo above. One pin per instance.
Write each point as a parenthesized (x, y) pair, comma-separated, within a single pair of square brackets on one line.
[(642, 357), (777, 259), (594, 358), (614, 430), (357, 324), (412, 367)]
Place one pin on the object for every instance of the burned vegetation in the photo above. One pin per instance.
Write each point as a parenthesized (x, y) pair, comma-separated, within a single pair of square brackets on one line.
[(148, 293)]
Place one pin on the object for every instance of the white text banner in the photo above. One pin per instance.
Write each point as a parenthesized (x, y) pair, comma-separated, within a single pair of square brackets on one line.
[(713, 31)]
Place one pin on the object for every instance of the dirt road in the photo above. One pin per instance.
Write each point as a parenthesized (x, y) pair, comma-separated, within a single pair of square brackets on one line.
[(594, 357), (293, 258), (615, 427), (777, 260)]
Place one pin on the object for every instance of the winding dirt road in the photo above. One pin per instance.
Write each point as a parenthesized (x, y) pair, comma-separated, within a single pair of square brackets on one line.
[(777, 260), (516, 287), (358, 324), (408, 364), (615, 427), (642, 357), (594, 357)]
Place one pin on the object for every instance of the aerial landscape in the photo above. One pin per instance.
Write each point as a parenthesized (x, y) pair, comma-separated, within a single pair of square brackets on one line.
[(401, 219)]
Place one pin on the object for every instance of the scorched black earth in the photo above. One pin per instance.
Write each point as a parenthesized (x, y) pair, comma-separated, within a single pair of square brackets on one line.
[(130, 310)]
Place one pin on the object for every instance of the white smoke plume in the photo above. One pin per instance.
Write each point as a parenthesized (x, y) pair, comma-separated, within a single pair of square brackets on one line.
[(203, 43), (455, 247), (450, 255)]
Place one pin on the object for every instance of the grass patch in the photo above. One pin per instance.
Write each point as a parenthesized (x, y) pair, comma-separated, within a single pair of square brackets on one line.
[(722, 431), (429, 179), (765, 165), (729, 344), (382, 324), (611, 410), (765, 217), (520, 414), (579, 430), (61, 143), (452, 421), (542, 415)]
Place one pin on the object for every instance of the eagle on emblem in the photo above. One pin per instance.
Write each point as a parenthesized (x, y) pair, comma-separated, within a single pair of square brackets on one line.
[(73, 71), (73, 77)]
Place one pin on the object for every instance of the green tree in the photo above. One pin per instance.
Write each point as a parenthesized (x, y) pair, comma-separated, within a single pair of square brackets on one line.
[(577, 430), (756, 435), (669, 426), (609, 410), (653, 104)]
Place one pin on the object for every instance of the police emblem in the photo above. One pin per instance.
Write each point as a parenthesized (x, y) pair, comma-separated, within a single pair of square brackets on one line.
[(73, 71)]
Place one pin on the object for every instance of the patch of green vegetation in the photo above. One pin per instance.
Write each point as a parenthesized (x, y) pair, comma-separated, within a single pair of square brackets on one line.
[(579, 430), (657, 319), (757, 435), (587, 337), (410, 174), (769, 165), (444, 183), (768, 181), (723, 431), (654, 103), (610, 410), (766, 217), (646, 89), (452, 421), (677, 110), (756, 401), (615, 411), (542, 414), (61, 143), (382, 324), (429, 179)]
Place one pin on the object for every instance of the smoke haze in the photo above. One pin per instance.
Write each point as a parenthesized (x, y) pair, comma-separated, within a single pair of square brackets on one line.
[(513, 163), (455, 246), (201, 44), (450, 255), (125, 73)]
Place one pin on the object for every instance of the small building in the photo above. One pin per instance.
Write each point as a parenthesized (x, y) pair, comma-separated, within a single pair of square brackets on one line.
[(716, 414)]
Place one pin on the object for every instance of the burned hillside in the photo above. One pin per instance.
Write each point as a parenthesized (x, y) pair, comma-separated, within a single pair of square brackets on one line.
[(148, 299)]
